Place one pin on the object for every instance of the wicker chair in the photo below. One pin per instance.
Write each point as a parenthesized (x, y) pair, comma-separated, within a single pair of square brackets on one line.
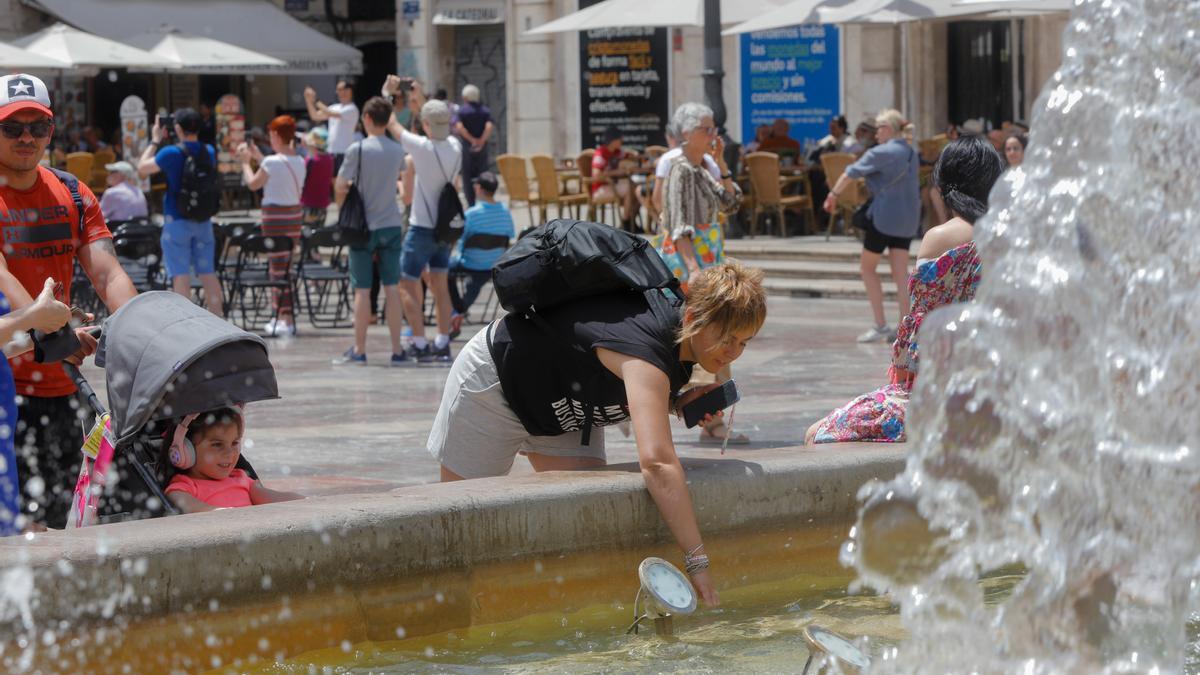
[(548, 188), (516, 182), (79, 164), (834, 164), (767, 185), (595, 206)]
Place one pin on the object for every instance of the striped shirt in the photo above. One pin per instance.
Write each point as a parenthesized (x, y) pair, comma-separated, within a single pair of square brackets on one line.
[(484, 218)]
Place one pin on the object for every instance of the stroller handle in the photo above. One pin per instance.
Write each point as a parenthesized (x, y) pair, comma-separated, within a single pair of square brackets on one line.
[(84, 387)]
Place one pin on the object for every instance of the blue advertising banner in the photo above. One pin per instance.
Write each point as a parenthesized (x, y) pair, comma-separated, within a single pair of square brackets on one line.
[(792, 74)]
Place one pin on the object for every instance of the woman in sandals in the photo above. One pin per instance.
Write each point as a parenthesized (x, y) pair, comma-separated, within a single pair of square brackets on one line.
[(691, 237)]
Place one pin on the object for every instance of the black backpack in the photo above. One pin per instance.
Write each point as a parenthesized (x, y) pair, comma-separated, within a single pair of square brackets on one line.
[(448, 219), (566, 259), (199, 195)]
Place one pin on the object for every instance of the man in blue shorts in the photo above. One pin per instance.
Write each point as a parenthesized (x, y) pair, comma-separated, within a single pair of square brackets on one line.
[(187, 245), (437, 160)]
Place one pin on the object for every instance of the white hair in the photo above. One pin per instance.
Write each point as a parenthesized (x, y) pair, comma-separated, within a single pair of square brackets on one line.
[(470, 93), (687, 117)]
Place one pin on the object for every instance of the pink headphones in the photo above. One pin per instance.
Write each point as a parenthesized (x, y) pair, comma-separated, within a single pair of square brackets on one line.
[(182, 452)]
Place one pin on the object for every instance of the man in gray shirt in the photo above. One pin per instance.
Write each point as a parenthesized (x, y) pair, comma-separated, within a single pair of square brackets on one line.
[(374, 166)]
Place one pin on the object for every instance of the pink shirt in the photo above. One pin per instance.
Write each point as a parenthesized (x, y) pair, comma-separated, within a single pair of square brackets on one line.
[(232, 491)]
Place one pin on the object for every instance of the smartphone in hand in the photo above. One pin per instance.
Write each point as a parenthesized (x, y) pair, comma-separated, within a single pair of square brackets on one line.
[(711, 403)]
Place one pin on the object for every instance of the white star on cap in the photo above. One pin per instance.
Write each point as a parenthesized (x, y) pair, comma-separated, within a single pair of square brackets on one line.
[(21, 87)]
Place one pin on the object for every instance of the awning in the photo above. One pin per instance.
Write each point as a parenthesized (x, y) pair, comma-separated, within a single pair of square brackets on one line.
[(468, 12), (257, 25)]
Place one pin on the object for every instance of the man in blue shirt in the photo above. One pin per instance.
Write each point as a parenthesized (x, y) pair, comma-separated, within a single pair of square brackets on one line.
[(186, 244), (474, 259)]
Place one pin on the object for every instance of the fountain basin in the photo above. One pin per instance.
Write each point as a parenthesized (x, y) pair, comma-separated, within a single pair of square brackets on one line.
[(314, 574)]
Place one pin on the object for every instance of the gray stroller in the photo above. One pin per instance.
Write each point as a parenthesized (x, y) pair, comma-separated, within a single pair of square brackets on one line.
[(165, 358)]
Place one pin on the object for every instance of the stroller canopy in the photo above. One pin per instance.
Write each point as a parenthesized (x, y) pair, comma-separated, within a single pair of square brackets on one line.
[(165, 357)]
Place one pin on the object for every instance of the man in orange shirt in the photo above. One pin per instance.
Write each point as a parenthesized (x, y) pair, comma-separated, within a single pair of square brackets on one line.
[(779, 142), (48, 220)]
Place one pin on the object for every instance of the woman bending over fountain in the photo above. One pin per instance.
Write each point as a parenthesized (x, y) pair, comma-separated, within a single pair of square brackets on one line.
[(948, 271), (516, 388)]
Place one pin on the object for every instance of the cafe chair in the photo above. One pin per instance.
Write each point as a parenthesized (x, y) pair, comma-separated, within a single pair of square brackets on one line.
[(596, 206), (834, 164), (767, 186), (516, 182), (549, 190)]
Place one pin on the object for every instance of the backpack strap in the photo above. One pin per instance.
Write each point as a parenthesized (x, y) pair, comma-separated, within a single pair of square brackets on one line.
[(72, 184)]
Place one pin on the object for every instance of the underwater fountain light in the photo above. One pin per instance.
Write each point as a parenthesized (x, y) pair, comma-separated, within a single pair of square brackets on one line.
[(836, 647), (667, 592)]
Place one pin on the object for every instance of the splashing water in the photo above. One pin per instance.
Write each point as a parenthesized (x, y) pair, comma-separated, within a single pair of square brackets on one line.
[(1054, 421)]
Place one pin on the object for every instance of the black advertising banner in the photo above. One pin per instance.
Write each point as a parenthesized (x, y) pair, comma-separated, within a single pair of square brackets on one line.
[(624, 84)]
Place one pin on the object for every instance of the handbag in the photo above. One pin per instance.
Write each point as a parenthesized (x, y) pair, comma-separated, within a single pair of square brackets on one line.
[(860, 219), (351, 228)]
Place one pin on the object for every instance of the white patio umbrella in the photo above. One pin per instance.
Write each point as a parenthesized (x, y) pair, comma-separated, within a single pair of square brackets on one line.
[(77, 48), (199, 54), (656, 13), (891, 11), (13, 59)]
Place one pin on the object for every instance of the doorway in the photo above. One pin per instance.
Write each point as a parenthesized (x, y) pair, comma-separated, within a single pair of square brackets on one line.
[(981, 74), (479, 60)]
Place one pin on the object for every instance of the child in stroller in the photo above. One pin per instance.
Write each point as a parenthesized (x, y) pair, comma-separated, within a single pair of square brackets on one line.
[(205, 448)]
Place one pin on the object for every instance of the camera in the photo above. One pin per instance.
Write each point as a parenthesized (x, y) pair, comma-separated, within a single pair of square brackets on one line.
[(167, 122), (406, 84)]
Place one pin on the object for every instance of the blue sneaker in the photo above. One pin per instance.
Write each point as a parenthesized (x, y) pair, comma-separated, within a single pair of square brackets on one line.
[(350, 357), (401, 359), (441, 356)]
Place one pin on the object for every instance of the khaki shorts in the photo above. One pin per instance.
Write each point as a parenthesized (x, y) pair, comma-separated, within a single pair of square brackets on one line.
[(476, 434)]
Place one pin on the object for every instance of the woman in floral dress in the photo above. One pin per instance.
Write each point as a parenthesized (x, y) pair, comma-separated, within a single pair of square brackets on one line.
[(948, 271)]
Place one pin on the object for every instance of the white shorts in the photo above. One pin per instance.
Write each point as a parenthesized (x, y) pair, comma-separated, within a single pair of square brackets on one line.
[(476, 434)]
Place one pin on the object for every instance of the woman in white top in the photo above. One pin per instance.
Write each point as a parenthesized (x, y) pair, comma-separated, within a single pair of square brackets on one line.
[(281, 178)]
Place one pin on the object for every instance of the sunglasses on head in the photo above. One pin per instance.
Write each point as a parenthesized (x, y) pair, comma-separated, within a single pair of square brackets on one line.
[(15, 130)]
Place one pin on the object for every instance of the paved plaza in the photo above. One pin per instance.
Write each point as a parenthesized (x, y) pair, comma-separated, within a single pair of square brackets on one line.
[(350, 429)]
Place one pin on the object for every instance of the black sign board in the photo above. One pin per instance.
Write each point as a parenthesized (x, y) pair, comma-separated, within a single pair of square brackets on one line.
[(624, 83)]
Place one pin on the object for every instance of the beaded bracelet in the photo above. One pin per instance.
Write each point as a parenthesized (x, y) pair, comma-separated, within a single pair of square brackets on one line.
[(693, 564)]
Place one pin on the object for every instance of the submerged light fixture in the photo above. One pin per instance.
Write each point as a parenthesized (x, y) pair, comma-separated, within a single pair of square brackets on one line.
[(668, 592), (838, 649)]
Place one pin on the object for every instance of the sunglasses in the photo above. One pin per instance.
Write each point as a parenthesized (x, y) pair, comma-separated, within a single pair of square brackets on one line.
[(15, 130)]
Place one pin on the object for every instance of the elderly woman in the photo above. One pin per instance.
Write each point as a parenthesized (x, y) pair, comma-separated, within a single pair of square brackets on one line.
[(948, 271), (893, 213), (698, 186)]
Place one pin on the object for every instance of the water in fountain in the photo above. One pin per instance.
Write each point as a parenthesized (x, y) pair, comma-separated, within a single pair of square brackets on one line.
[(1054, 420)]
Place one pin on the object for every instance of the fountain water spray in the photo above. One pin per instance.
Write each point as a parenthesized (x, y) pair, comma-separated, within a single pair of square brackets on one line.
[(1054, 421)]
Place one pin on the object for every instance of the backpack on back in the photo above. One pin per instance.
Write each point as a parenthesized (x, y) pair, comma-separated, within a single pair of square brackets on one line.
[(565, 259), (199, 195), (448, 219)]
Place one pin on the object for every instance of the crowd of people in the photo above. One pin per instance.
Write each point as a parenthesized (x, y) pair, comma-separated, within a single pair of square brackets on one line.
[(400, 155)]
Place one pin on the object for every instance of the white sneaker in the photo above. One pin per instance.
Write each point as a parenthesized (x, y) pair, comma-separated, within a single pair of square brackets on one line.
[(878, 334), (278, 327)]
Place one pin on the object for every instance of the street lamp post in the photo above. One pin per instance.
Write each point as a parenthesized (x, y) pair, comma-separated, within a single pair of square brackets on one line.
[(713, 72)]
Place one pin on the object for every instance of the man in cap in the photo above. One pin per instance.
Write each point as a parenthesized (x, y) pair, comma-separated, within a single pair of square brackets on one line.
[(487, 217), (123, 199), (436, 159), (49, 220)]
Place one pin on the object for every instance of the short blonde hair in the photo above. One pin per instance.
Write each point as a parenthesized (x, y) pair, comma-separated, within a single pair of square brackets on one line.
[(892, 118), (728, 295)]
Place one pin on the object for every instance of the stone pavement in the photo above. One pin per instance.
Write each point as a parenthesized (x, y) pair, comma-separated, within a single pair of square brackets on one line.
[(348, 429)]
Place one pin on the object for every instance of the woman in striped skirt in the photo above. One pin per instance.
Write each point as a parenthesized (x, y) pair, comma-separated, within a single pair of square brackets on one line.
[(281, 177)]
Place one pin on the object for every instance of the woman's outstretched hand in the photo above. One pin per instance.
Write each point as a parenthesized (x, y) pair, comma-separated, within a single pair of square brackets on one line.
[(703, 582)]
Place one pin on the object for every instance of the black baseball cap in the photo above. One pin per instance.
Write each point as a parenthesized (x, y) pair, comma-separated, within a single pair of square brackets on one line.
[(487, 181)]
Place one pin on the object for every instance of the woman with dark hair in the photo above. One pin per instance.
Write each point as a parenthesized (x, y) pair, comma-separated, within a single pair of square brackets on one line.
[(1014, 148), (948, 271), (281, 178)]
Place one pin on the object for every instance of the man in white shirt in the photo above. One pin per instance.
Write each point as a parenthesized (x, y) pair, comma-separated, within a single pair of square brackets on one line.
[(436, 159), (122, 199), (342, 117)]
